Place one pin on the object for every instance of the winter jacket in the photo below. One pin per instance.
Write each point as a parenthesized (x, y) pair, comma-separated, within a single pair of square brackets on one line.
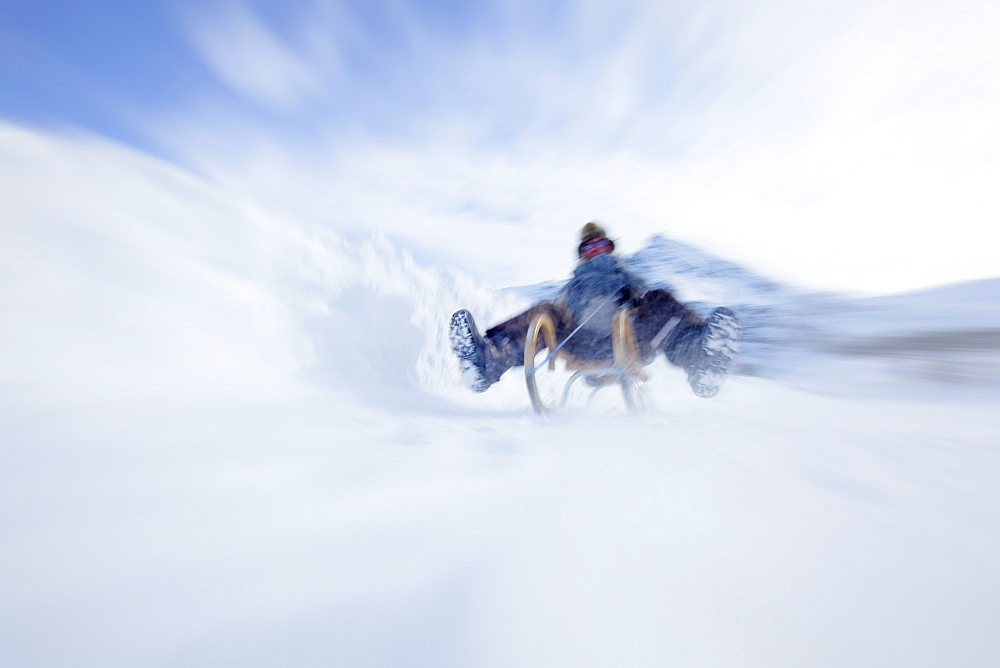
[(593, 295)]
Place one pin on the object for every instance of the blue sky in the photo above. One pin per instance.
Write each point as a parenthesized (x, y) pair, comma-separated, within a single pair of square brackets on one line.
[(79, 63), (97, 64), (825, 143)]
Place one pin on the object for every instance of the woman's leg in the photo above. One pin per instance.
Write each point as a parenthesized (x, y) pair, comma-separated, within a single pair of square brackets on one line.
[(664, 323)]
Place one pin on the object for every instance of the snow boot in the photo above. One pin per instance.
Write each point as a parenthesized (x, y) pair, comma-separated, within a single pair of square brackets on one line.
[(481, 360), (720, 343)]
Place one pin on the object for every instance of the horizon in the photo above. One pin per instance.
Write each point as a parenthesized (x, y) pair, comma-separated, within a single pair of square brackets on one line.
[(835, 146)]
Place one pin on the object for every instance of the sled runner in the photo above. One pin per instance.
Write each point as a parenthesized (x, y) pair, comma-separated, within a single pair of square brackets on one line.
[(544, 378)]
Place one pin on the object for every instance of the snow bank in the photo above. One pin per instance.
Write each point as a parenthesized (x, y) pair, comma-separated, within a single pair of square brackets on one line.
[(163, 285)]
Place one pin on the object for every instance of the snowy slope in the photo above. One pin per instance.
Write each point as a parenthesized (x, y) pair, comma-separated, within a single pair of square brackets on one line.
[(233, 436)]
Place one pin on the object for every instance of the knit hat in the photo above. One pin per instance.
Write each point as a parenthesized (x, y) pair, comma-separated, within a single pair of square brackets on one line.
[(589, 236), (591, 231)]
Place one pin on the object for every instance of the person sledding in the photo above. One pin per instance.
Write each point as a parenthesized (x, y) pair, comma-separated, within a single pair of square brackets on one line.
[(585, 306)]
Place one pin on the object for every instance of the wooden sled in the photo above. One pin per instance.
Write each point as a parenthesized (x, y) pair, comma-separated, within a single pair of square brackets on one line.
[(624, 369)]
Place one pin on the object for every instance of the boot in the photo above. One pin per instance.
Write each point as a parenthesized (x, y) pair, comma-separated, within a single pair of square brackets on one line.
[(482, 360), (720, 343)]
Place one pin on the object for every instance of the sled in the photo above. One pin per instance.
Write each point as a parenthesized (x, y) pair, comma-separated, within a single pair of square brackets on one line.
[(624, 369)]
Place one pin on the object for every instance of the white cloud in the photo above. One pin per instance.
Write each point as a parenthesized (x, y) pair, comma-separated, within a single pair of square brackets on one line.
[(252, 59)]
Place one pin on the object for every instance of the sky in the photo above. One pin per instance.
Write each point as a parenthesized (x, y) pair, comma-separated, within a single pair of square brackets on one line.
[(838, 145)]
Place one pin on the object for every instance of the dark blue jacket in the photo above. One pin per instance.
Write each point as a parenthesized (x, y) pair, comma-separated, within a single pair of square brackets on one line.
[(598, 287)]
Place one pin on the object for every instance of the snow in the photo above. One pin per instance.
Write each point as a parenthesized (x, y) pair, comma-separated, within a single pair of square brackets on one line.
[(235, 436)]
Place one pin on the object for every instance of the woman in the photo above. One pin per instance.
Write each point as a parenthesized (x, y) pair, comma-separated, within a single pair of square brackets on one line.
[(586, 306)]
